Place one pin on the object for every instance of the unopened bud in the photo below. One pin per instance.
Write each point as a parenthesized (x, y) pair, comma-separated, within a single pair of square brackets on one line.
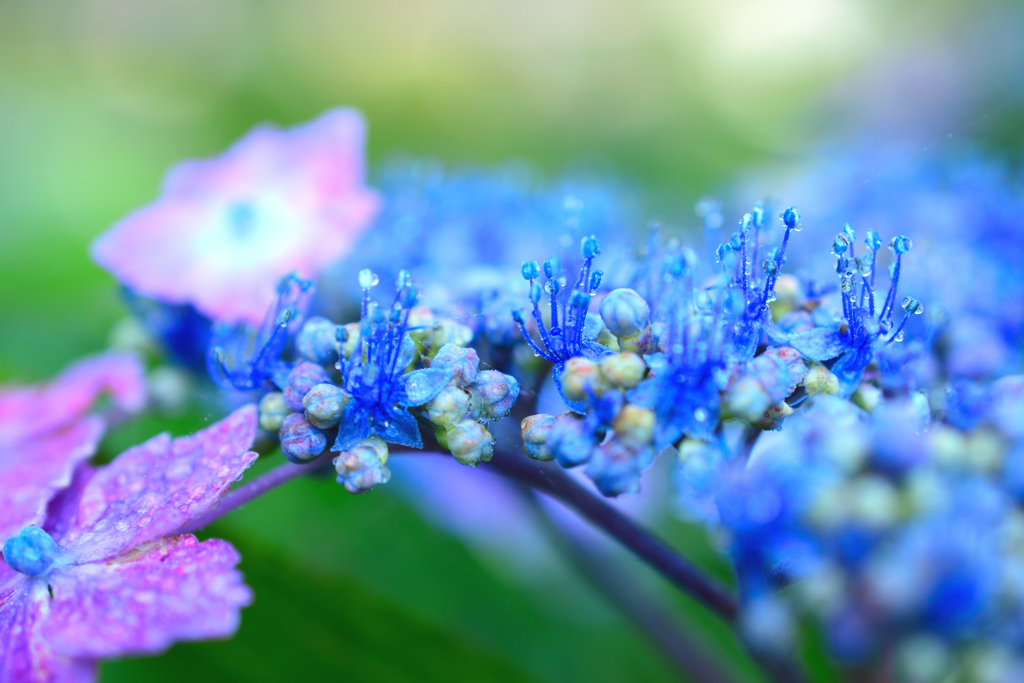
[(623, 370), (470, 443), (535, 430), (362, 467), (324, 405), (463, 361), (625, 312), (318, 341), (495, 393), (449, 407), (301, 441), (301, 379), (579, 374), (634, 426), (819, 380), (272, 411)]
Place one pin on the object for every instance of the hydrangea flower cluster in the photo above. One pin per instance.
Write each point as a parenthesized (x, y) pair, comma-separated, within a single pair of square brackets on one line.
[(862, 485), (376, 389), (654, 368)]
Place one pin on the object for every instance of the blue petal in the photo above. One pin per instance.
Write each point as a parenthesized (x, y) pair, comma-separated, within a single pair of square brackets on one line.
[(776, 335), (354, 426), (399, 427), (594, 351), (646, 393), (850, 368), (420, 386), (821, 343)]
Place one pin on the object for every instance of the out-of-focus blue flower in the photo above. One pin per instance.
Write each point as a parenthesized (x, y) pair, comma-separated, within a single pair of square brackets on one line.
[(964, 214), (241, 357)]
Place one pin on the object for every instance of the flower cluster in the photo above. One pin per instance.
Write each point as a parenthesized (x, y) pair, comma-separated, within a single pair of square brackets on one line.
[(653, 368), (860, 484), (363, 386)]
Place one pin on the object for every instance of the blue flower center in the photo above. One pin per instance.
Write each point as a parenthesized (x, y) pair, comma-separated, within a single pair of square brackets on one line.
[(242, 219), (32, 552)]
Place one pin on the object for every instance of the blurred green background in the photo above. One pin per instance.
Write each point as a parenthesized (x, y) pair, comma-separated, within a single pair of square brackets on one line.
[(99, 97)]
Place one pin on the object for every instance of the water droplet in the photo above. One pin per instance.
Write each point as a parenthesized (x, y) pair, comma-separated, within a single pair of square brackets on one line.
[(179, 469), (700, 415), (368, 279), (899, 336)]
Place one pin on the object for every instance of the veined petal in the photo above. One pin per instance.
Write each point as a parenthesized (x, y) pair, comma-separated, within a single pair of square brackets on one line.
[(399, 428), (153, 489), (31, 473), (173, 589)]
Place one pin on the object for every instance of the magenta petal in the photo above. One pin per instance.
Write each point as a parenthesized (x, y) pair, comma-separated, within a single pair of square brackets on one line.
[(25, 657), (32, 472), (27, 412), (174, 589), (153, 489), (226, 230)]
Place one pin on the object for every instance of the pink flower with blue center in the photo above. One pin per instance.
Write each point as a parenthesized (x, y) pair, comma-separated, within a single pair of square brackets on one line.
[(46, 432), (226, 230), (104, 575)]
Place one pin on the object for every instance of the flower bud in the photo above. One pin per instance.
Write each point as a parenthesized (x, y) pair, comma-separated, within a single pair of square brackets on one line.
[(580, 373), (867, 396), (625, 312), (495, 393), (570, 441), (819, 380), (348, 339), (772, 419), (301, 379), (449, 407), (535, 430), (623, 370), (362, 467), (318, 341), (874, 502), (324, 404), (463, 360), (900, 244), (300, 440), (615, 468), (791, 219), (470, 443), (272, 411), (447, 332), (634, 426), (747, 400), (789, 295)]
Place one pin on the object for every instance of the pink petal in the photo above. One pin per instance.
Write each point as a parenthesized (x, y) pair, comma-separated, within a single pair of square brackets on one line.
[(26, 412), (32, 472), (309, 205), (174, 589), (153, 489), (27, 657)]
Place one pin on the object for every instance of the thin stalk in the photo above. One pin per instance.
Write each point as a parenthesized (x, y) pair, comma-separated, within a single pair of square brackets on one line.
[(554, 481), (689, 656)]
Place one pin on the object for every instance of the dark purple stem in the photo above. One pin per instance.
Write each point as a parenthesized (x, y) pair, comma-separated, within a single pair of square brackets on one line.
[(553, 480)]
